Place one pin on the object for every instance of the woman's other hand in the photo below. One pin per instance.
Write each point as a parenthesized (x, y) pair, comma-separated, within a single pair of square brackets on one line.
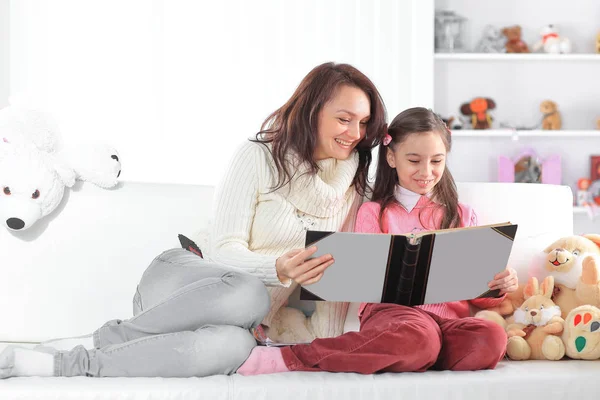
[(299, 267), (506, 281)]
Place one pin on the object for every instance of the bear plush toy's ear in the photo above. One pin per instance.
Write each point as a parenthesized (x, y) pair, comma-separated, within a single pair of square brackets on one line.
[(97, 163), (593, 237)]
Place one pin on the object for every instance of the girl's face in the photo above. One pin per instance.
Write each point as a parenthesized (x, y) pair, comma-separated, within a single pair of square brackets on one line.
[(342, 123), (419, 161)]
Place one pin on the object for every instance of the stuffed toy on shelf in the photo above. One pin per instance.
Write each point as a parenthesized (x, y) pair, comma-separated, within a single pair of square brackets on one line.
[(478, 110), (514, 43), (492, 41), (35, 170), (551, 119), (598, 43), (535, 332), (551, 42)]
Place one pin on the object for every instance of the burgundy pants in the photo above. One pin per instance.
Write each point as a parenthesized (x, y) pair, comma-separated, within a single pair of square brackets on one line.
[(395, 338)]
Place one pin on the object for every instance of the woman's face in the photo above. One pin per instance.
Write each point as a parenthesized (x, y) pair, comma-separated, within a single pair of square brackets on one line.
[(419, 161), (342, 123)]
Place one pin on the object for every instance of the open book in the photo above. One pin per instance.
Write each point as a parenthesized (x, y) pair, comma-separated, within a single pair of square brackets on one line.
[(413, 269)]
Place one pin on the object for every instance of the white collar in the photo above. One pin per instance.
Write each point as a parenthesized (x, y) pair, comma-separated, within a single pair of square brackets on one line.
[(407, 198)]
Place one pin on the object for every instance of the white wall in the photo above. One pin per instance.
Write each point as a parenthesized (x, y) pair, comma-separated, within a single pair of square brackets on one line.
[(177, 85), (4, 51)]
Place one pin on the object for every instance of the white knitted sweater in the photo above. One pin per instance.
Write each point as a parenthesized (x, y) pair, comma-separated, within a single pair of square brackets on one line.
[(253, 225)]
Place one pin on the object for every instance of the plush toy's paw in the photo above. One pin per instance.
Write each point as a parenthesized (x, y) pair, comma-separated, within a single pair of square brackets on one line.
[(582, 333), (517, 349), (7, 362), (492, 316), (553, 348), (554, 328), (516, 332), (589, 273)]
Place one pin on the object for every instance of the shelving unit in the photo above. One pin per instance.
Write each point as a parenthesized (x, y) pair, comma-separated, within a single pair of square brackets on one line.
[(518, 83), (525, 133), (515, 57)]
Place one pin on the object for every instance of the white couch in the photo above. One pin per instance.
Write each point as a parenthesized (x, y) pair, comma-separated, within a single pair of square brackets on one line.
[(80, 266)]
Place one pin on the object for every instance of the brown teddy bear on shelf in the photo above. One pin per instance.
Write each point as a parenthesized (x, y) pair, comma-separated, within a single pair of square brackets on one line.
[(514, 44), (535, 332), (551, 119)]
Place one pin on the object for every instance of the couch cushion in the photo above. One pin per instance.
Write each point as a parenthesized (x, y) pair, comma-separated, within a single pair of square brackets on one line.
[(511, 380)]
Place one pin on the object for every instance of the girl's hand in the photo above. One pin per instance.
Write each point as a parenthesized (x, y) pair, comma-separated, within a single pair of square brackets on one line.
[(507, 281), (295, 266)]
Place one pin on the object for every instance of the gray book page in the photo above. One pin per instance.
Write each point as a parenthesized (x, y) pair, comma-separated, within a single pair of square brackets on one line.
[(358, 273), (463, 262)]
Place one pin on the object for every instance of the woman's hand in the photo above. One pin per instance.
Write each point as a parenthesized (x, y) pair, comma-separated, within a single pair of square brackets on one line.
[(295, 266), (507, 281)]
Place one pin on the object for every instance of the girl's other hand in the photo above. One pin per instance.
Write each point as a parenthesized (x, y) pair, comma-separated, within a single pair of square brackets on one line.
[(297, 266), (507, 281)]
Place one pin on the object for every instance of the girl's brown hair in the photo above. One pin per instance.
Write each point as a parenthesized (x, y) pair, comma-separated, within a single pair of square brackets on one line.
[(412, 121), (294, 126)]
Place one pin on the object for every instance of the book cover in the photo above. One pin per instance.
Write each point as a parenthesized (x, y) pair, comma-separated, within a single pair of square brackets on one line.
[(426, 268)]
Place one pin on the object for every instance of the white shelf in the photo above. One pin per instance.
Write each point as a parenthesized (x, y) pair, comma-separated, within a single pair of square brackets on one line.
[(515, 57), (524, 133)]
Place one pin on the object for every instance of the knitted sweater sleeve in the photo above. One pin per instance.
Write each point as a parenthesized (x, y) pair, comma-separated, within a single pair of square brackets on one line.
[(234, 208)]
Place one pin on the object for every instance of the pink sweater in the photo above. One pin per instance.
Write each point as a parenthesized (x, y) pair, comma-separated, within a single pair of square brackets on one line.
[(426, 215)]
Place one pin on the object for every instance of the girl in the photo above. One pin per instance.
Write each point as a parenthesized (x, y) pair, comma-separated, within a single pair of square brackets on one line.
[(413, 191), (307, 168)]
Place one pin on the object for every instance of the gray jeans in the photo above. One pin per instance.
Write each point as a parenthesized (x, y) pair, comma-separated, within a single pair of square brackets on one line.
[(191, 318)]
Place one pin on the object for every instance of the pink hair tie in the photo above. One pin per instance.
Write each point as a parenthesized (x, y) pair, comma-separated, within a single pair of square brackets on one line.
[(387, 139)]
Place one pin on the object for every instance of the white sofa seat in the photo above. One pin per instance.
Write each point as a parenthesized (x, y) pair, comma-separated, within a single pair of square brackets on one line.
[(79, 268)]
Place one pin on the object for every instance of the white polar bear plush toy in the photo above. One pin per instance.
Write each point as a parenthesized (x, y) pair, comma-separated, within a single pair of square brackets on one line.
[(34, 172), (552, 42)]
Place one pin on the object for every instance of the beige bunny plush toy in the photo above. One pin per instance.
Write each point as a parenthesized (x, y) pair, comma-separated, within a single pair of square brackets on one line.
[(535, 333)]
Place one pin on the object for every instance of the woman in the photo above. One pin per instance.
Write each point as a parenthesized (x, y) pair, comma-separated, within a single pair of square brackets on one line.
[(306, 169)]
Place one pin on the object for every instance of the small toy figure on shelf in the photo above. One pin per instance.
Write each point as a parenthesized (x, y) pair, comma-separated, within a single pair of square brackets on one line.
[(492, 41), (514, 44), (478, 110), (551, 119), (598, 124), (598, 43), (584, 197), (551, 42), (452, 123)]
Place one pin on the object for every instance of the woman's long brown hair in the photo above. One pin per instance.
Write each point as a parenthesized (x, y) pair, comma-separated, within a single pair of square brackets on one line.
[(413, 121), (294, 126)]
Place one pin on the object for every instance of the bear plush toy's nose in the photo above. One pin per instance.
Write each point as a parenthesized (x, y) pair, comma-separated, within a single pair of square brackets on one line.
[(15, 223), (533, 313)]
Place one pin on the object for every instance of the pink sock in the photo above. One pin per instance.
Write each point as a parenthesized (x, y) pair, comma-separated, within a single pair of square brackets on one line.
[(263, 360)]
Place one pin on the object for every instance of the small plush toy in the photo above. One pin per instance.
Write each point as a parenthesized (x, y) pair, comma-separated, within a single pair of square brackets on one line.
[(551, 117), (478, 110), (598, 43), (34, 172), (514, 43), (581, 335), (551, 42), (492, 41), (534, 334), (573, 263)]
